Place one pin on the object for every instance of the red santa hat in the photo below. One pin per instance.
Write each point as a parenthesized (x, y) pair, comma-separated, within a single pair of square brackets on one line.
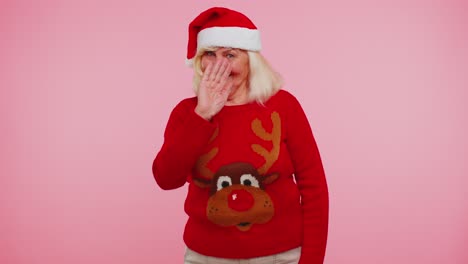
[(221, 27)]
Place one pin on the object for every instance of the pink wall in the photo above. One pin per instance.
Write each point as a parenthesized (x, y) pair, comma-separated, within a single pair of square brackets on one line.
[(86, 88)]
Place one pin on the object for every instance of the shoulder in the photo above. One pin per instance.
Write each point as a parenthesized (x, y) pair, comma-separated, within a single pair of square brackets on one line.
[(186, 105), (287, 105), (187, 102), (282, 98), (183, 108)]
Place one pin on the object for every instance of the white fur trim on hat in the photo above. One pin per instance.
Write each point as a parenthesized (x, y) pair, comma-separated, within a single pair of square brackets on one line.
[(231, 37), (189, 62)]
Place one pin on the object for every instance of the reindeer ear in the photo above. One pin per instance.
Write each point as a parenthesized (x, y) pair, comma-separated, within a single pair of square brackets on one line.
[(270, 178), (202, 183)]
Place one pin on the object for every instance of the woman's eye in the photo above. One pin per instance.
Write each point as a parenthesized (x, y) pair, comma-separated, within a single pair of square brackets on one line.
[(210, 53), (229, 56)]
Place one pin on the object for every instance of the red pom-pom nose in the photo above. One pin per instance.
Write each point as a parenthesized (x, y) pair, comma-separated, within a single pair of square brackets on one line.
[(240, 200)]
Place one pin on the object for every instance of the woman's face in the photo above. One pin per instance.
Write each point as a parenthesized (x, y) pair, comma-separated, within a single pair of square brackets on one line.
[(238, 59)]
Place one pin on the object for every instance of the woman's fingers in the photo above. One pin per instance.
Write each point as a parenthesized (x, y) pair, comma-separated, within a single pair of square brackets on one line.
[(216, 72), (207, 72), (227, 71), (214, 88), (224, 64)]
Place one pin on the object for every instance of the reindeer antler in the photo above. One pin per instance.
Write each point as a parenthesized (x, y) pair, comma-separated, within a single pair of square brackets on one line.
[(200, 166), (275, 137)]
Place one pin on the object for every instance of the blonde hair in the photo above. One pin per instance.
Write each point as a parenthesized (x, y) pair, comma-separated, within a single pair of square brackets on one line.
[(263, 80)]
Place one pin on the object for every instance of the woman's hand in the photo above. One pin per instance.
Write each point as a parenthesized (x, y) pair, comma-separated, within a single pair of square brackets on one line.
[(214, 89)]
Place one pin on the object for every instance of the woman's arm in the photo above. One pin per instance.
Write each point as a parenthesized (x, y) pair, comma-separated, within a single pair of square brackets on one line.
[(311, 181), (184, 138), (189, 129)]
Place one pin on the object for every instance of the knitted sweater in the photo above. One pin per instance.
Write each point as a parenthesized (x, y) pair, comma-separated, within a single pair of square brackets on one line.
[(256, 181)]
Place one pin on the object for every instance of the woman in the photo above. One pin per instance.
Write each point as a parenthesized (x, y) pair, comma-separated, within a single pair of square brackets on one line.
[(257, 188)]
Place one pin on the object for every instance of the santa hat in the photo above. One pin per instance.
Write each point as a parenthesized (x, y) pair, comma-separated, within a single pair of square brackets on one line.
[(221, 27)]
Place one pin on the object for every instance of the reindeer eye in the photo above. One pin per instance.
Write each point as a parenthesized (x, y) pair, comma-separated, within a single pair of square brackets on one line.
[(249, 180), (223, 182)]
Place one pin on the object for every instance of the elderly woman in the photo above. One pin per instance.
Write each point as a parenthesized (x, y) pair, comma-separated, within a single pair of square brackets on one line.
[(257, 189)]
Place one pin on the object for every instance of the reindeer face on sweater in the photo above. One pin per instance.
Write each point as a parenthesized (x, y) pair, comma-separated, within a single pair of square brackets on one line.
[(237, 190), (238, 197)]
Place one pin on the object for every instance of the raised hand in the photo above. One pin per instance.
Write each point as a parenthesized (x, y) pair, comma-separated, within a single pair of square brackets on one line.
[(214, 89)]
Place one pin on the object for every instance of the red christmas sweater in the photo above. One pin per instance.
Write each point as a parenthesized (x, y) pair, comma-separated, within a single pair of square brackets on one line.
[(256, 181)]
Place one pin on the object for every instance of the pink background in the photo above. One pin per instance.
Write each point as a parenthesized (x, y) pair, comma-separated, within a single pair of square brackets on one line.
[(87, 87)]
